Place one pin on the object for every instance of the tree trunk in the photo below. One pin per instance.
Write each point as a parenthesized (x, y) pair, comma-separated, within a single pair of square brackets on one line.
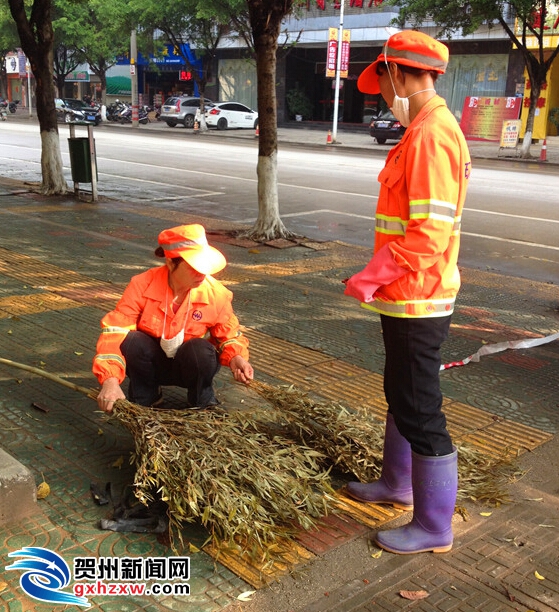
[(53, 181), (265, 19), (535, 90), (36, 38)]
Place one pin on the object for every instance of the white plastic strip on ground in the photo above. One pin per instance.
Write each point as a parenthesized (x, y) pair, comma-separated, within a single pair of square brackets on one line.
[(489, 349)]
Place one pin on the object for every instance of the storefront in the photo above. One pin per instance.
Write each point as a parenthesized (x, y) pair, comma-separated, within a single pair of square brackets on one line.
[(481, 69), (21, 84)]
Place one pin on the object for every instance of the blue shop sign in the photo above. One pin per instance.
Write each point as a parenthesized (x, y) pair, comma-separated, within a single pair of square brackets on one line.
[(170, 57)]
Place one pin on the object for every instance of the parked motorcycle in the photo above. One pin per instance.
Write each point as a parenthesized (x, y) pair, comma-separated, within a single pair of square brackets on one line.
[(6, 106), (125, 115), (114, 109)]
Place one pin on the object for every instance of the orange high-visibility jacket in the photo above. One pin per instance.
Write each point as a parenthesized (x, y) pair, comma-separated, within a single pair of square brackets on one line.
[(206, 313), (422, 194)]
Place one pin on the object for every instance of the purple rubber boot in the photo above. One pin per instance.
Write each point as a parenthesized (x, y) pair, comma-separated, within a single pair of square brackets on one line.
[(435, 483), (394, 485)]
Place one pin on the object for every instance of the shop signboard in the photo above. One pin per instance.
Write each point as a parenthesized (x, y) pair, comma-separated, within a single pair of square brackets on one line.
[(77, 76), (510, 133), (483, 116)]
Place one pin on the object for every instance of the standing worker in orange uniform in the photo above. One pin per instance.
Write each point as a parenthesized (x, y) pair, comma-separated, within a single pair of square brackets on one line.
[(412, 281), (174, 325)]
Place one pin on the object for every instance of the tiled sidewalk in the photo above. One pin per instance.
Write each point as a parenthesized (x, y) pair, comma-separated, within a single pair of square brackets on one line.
[(63, 264)]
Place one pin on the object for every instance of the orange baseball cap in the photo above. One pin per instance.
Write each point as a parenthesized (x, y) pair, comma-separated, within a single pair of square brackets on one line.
[(190, 243), (409, 48)]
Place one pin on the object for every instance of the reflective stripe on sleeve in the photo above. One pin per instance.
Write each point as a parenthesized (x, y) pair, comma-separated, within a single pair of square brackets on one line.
[(109, 357), (117, 330), (392, 226), (432, 209), (231, 341)]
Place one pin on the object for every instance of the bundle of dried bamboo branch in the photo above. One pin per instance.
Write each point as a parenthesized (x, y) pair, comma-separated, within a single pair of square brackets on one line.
[(352, 440), (255, 477), (246, 487)]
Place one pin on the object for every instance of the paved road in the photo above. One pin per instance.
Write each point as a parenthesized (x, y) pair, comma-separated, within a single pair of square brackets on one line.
[(326, 192)]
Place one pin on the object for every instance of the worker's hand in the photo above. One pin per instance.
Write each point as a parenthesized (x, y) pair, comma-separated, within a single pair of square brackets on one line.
[(242, 370), (110, 392), (360, 287)]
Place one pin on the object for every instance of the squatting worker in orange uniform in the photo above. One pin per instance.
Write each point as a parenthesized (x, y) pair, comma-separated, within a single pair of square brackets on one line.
[(412, 281), (174, 325)]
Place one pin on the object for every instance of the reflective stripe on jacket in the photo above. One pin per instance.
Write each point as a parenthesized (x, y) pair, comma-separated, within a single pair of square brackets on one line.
[(422, 194), (208, 313)]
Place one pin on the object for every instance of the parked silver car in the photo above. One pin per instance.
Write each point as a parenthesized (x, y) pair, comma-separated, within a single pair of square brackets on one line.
[(181, 109)]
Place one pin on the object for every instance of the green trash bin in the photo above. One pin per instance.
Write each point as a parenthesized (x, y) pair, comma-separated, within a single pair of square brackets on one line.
[(80, 159)]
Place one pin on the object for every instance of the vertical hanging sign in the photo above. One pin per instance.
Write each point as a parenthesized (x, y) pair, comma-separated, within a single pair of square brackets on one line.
[(332, 53), (346, 35), (22, 64)]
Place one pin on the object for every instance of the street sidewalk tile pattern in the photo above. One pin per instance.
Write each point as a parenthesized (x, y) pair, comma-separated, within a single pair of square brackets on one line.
[(58, 277)]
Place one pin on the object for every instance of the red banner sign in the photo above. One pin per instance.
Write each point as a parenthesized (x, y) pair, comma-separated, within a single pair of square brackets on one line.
[(332, 53), (483, 116)]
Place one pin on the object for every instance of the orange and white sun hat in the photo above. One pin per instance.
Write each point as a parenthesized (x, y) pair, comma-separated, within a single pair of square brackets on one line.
[(190, 243), (409, 48)]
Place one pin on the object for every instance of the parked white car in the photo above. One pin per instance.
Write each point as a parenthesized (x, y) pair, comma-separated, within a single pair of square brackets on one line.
[(224, 115)]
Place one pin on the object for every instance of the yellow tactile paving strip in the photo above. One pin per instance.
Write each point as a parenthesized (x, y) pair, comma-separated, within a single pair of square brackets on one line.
[(338, 381), (308, 369), (58, 281), (19, 305), (259, 575), (369, 514)]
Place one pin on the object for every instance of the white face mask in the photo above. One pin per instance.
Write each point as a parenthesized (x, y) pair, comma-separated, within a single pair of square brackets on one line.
[(401, 109), (170, 346), (401, 106)]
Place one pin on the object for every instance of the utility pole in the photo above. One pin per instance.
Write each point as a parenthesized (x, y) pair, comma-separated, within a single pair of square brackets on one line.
[(29, 97), (338, 70), (134, 78)]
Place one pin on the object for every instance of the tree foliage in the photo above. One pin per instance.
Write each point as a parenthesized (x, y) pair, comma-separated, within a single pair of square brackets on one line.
[(194, 23), (467, 16), (95, 32)]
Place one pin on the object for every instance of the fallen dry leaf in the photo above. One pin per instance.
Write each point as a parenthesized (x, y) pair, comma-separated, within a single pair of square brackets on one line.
[(485, 513), (43, 490), (377, 554), (118, 463), (413, 595), (539, 576), (3, 585), (246, 596)]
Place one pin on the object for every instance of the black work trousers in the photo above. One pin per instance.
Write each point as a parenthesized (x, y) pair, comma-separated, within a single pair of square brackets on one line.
[(148, 368), (411, 381)]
